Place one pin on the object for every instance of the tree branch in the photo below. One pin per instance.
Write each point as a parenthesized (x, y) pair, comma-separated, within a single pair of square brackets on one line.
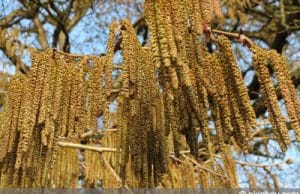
[(85, 147), (13, 18), (90, 133), (41, 34), (202, 167)]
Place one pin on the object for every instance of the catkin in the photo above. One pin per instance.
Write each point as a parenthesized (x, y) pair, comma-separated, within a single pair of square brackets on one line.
[(206, 10), (287, 90), (260, 65), (231, 68)]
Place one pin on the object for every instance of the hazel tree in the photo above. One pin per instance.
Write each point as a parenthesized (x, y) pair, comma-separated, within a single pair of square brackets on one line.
[(183, 111)]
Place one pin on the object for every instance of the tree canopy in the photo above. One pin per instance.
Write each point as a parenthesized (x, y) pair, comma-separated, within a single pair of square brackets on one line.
[(154, 93)]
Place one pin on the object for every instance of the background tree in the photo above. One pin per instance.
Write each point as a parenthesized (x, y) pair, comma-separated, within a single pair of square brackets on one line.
[(55, 24)]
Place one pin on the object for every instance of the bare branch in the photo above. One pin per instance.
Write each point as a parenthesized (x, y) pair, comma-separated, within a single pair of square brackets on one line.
[(202, 167), (13, 18), (113, 172), (41, 33), (90, 133), (85, 147)]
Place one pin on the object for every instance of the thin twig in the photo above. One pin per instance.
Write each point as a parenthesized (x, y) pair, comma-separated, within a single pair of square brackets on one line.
[(114, 173), (85, 147), (282, 14), (90, 133), (241, 37), (176, 159), (202, 167), (259, 165), (252, 164), (73, 55)]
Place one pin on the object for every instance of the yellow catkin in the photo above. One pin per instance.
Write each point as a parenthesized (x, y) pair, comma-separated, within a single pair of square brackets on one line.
[(287, 90), (217, 10), (109, 63), (70, 130), (241, 132), (222, 95), (15, 100), (65, 172), (213, 70), (163, 33), (240, 127), (95, 93), (218, 125), (66, 90), (195, 17), (230, 167), (177, 29), (204, 121), (142, 139), (204, 179), (231, 69), (252, 181), (108, 70), (93, 169), (201, 92), (167, 23), (31, 104), (206, 10), (38, 124), (58, 88), (9, 136), (80, 105), (48, 85), (153, 28), (260, 65)]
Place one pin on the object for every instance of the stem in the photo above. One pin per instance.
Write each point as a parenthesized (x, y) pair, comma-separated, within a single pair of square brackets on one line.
[(282, 14), (90, 133), (201, 167), (114, 173), (252, 164), (241, 37), (85, 147)]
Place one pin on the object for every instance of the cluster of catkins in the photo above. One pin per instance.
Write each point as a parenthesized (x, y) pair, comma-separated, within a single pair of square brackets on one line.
[(195, 80), (55, 100), (175, 88)]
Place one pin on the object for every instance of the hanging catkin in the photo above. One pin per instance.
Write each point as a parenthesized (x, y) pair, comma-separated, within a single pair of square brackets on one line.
[(231, 68), (287, 90), (94, 169), (52, 105), (269, 94), (141, 136), (195, 16), (206, 10), (163, 32), (153, 28), (64, 174), (108, 72), (230, 167), (95, 99)]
